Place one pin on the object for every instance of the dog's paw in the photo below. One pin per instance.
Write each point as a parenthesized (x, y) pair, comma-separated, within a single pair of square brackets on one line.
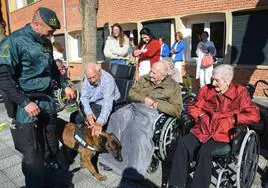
[(101, 177)]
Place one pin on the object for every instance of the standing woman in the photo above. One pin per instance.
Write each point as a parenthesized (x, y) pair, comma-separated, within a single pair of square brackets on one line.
[(204, 47), (177, 51), (148, 51), (116, 46), (165, 51)]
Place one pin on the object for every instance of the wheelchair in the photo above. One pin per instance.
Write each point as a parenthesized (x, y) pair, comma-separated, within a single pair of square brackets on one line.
[(235, 164), (167, 131)]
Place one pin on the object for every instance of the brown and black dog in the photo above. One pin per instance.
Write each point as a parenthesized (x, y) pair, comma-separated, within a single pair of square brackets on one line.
[(105, 143)]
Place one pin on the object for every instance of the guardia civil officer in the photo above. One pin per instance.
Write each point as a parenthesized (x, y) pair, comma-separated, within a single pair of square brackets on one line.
[(27, 66)]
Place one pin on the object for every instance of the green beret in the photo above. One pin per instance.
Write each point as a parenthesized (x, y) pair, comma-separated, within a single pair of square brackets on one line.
[(49, 17)]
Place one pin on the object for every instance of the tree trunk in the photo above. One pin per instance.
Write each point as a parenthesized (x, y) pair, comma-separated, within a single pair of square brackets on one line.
[(88, 11)]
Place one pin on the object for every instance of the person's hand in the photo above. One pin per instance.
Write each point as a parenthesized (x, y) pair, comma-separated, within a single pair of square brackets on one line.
[(203, 48), (91, 118), (96, 129), (32, 109), (155, 105), (173, 51), (70, 93), (149, 101), (144, 50), (137, 53)]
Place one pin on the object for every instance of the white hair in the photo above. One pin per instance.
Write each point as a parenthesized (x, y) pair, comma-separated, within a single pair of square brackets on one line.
[(163, 67), (225, 71)]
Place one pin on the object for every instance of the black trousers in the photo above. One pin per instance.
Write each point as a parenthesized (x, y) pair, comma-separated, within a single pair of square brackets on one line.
[(185, 151), (37, 144)]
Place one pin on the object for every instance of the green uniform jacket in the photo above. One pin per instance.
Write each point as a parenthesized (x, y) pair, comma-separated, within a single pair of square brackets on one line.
[(167, 94), (32, 66)]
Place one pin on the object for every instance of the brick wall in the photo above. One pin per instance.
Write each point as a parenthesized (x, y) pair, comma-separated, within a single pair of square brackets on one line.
[(128, 11), (124, 11), (136, 10), (24, 15)]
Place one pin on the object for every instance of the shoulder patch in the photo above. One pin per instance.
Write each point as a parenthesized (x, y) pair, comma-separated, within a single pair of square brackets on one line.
[(5, 51)]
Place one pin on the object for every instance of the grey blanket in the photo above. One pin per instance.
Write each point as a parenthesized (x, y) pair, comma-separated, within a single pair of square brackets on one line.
[(133, 126)]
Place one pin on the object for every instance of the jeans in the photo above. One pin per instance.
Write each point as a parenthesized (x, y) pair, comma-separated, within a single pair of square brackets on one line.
[(118, 61)]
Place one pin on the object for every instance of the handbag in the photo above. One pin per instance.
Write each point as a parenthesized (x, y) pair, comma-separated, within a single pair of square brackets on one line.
[(207, 61)]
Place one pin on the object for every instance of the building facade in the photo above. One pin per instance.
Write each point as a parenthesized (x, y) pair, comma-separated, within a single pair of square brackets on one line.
[(237, 27)]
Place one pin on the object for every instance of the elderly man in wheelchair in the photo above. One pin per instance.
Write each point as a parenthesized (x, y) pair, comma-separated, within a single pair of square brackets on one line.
[(133, 123), (217, 110)]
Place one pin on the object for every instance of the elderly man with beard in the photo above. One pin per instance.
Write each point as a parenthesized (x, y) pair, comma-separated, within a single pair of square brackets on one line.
[(217, 109), (133, 124)]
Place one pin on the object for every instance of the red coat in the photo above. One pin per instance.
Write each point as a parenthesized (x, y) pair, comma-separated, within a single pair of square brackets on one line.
[(153, 52), (219, 110)]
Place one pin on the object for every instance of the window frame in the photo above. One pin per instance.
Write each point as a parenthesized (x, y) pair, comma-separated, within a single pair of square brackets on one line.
[(206, 20)]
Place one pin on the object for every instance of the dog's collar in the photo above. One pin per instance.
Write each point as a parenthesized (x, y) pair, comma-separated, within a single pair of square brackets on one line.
[(83, 143)]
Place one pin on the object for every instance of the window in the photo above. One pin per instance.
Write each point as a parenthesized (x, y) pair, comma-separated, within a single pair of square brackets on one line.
[(14, 5), (60, 39), (160, 28), (213, 23), (216, 31), (100, 44), (79, 40), (218, 37), (30, 1), (197, 29)]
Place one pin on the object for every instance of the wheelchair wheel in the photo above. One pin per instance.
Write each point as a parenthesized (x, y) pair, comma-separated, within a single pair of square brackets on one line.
[(248, 158), (158, 127), (168, 138)]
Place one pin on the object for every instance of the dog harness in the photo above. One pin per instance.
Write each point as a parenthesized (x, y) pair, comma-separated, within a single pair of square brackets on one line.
[(80, 138)]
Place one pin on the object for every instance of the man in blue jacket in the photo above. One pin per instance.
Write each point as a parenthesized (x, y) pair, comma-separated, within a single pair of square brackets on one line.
[(27, 67)]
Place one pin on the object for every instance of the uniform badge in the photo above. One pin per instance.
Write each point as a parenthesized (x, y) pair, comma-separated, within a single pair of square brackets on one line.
[(52, 22), (5, 51)]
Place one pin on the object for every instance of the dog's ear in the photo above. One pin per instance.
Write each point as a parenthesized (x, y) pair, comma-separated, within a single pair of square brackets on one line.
[(103, 144)]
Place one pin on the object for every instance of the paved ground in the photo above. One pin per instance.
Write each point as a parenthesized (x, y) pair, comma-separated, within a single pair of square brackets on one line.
[(11, 174)]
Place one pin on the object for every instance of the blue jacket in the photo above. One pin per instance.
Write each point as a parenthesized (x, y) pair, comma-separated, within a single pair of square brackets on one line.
[(179, 56), (165, 52)]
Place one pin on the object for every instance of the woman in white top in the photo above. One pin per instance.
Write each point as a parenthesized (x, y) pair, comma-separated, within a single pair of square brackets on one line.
[(116, 46), (204, 47)]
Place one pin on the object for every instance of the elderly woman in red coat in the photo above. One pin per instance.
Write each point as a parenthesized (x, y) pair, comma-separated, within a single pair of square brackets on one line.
[(217, 109)]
